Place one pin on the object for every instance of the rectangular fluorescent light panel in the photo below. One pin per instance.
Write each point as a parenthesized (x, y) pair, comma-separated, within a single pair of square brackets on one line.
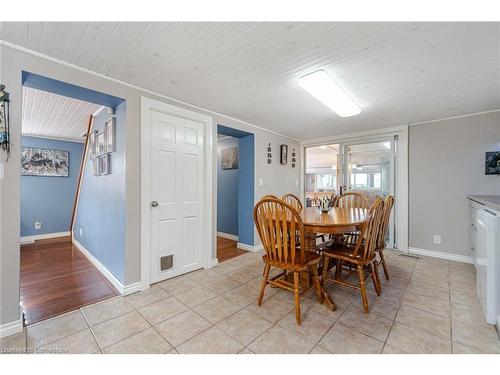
[(320, 85)]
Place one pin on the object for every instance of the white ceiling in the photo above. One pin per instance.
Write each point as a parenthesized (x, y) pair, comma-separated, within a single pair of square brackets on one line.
[(55, 116), (321, 157), (397, 72)]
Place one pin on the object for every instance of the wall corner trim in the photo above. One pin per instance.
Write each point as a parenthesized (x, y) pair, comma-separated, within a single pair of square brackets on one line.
[(11, 328), (227, 236), (441, 255), (254, 249), (122, 289), (36, 237)]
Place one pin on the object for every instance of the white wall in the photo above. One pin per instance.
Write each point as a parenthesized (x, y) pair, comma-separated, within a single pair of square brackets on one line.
[(447, 163), (277, 179)]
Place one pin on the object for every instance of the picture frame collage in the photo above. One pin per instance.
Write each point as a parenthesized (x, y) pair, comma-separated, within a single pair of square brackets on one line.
[(283, 156), (101, 146)]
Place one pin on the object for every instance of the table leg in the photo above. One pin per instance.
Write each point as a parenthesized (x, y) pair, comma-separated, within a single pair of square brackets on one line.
[(310, 245)]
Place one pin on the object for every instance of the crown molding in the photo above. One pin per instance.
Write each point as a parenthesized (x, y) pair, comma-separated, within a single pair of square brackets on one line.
[(454, 117), (62, 139)]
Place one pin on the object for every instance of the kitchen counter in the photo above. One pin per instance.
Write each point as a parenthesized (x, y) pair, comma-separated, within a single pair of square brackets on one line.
[(491, 201)]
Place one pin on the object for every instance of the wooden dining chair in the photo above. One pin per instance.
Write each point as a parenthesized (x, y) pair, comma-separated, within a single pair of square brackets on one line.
[(269, 196), (360, 258), (352, 200), (279, 225), (293, 201), (384, 225)]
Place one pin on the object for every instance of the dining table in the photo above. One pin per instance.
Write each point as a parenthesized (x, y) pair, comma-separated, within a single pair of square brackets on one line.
[(335, 221)]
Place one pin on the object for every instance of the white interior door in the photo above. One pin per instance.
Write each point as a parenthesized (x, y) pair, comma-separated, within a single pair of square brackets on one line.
[(176, 192)]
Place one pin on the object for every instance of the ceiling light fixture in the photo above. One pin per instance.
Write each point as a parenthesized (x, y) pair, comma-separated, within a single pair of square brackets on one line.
[(320, 85)]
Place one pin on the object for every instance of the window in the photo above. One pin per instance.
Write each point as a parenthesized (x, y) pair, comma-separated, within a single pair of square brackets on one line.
[(325, 181)]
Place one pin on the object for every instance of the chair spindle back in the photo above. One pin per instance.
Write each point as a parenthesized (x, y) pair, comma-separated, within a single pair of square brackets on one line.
[(384, 224), (367, 241), (352, 200), (293, 201), (279, 226)]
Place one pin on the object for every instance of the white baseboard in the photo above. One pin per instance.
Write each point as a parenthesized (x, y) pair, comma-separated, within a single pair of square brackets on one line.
[(212, 263), (131, 288), (227, 236), (11, 328), (122, 289), (36, 237), (440, 255), (244, 246)]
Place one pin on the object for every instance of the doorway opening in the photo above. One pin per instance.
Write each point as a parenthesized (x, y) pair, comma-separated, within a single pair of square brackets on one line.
[(63, 221), (235, 192)]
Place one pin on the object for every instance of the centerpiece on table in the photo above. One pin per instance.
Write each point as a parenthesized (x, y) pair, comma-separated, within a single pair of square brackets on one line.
[(324, 204)]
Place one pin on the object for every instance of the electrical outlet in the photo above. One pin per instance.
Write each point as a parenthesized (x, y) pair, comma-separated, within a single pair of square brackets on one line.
[(437, 239), (38, 225), (296, 182), (81, 232)]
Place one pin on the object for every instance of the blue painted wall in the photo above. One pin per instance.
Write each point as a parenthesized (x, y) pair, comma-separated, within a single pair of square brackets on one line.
[(227, 191), (49, 199), (246, 181), (101, 209)]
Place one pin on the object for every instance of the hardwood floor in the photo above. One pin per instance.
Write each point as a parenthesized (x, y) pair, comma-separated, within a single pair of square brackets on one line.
[(56, 278), (226, 249)]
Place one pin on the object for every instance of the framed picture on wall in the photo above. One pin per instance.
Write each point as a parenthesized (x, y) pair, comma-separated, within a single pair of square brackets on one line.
[(92, 152), (44, 162), (104, 167), (492, 163), (95, 166), (109, 129), (283, 154), (100, 143), (230, 158)]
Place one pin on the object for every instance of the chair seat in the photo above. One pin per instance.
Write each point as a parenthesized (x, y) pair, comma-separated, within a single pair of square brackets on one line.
[(309, 258), (346, 253)]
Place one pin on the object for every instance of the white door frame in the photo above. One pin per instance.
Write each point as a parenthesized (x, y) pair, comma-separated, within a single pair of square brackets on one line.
[(401, 183), (148, 104)]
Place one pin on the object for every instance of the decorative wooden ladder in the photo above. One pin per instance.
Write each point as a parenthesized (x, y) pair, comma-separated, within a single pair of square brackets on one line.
[(90, 127)]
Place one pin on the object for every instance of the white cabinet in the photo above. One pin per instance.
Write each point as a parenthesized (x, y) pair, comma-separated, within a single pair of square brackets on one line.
[(485, 244)]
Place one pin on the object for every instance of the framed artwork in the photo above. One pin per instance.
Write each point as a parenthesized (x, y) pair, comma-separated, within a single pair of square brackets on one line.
[(44, 162), (92, 144), (492, 163), (229, 158), (104, 167), (95, 167), (283, 154), (100, 143), (109, 129)]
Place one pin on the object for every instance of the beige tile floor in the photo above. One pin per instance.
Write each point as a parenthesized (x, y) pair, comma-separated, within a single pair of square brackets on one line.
[(428, 306)]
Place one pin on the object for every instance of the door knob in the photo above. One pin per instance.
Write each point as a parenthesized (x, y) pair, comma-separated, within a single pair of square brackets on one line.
[(154, 204)]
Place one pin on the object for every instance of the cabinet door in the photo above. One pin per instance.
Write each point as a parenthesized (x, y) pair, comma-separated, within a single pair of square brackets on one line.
[(472, 234)]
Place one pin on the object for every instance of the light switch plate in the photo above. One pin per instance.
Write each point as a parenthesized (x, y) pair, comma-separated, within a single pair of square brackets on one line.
[(261, 181)]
